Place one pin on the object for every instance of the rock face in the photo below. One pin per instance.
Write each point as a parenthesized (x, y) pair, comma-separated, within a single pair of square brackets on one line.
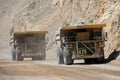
[(52, 14)]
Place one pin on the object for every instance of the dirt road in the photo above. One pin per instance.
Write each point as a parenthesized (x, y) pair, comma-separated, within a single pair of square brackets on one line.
[(49, 70)]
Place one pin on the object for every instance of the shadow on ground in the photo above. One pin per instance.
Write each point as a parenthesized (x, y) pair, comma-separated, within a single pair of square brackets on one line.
[(112, 56)]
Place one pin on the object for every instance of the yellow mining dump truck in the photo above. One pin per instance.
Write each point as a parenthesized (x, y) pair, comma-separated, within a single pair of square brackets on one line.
[(81, 42), (28, 44)]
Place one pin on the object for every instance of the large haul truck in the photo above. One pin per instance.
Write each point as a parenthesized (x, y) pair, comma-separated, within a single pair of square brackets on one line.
[(81, 42), (28, 44)]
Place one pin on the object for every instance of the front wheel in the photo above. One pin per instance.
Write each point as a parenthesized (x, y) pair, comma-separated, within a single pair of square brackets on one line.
[(67, 57), (59, 55)]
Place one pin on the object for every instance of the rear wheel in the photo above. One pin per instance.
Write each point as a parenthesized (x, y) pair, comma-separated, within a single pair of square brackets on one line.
[(35, 58), (13, 54), (42, 57), (67, 57), (101, 59), (96, 60), (88, 61), (60, 56)]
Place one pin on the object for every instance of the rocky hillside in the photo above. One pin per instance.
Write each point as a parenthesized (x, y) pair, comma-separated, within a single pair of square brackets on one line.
[(52, 14)]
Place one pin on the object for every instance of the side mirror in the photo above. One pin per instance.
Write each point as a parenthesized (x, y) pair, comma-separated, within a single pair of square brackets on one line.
[(105, 36), (57, 38), (47, 39)]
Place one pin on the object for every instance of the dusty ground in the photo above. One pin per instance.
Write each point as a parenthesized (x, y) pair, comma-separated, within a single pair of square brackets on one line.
[(49, 70)]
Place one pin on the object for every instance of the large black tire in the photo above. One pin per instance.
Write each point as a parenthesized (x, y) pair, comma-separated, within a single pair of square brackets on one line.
[(59, 55), (42, 57), (13, 54), (35, 58), (18, 55), (88, 61), (102, 58), (67, 57)]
